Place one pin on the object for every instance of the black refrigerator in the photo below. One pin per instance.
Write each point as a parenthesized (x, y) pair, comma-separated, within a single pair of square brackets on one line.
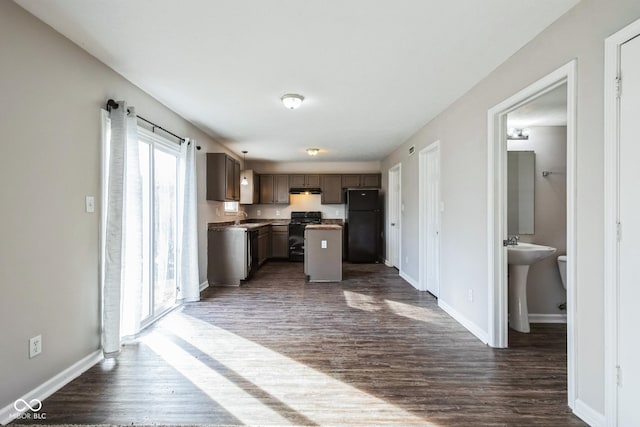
[(363, 226)]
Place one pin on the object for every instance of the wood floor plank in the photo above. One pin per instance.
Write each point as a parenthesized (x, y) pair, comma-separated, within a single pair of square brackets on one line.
[(370, 350)]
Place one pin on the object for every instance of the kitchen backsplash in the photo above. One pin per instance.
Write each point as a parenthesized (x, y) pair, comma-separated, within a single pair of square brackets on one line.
[(297, 202)]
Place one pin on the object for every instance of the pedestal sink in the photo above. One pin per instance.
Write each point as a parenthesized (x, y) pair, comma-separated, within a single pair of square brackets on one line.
[(520, 257)]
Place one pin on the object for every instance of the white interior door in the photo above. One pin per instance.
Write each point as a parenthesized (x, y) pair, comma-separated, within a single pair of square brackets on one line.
[(433, 220), (628, 247), (429, 219), (394, 217)]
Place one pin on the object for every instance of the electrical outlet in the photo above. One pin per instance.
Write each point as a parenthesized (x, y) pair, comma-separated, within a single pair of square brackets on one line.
[(35, 346), (337, 213), (323, 244), (470, 295), (259, 212), (277, 213)]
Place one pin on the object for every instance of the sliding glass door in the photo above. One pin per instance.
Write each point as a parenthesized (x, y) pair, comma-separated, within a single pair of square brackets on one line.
[(159, 173)]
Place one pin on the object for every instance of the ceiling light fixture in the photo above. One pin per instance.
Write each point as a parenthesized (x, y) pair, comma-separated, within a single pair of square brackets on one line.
[(313, 151), (244, 180), (292, 100), (514, 133)]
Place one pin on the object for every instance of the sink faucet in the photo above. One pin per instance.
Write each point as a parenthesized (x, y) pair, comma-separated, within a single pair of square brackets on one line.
[(238, 215), (513, 240)]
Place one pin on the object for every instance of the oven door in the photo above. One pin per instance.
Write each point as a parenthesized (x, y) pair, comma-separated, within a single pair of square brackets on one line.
[(296, 242)]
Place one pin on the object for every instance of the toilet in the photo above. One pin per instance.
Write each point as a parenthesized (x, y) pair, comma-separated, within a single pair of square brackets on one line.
[(562, 266)]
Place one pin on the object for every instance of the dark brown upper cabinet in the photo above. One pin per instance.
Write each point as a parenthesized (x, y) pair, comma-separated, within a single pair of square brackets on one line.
[(304, 181), (332, 192), (274, 189), (350, 181), (369, 180), (223, 178)]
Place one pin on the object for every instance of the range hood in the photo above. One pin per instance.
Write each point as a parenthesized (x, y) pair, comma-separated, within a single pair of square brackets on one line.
[(314, 190)]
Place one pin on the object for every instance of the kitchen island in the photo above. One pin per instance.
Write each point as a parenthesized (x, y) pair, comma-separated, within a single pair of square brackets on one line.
[(323, 252)]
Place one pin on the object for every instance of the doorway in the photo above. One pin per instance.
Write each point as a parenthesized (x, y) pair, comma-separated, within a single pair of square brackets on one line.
[(393, 224), (497, 210), (622, 230), (429, 214)]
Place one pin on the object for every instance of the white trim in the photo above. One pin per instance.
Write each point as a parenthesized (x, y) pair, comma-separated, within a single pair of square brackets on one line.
[(611, 187), (413, 282), (496, 211), (387, 263), (46, 389), (422, 213), (464, 321), (204, 285), (547, 318), (589, 415)]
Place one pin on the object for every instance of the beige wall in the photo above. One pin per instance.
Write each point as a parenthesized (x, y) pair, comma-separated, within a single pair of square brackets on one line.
[(544, 287), (462, 130), (52, 93)]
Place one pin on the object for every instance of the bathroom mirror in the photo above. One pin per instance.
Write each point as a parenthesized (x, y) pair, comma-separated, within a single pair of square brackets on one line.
[(520, 191)]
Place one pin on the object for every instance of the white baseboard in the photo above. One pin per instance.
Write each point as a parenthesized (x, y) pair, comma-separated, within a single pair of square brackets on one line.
[(547, 318), (458, 317), (388, 263), (409, 279), (588, 414), (204, 285), (46, 389)]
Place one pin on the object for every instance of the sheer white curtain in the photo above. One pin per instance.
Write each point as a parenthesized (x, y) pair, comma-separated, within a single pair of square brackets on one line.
[(189, 278), (122, 229)]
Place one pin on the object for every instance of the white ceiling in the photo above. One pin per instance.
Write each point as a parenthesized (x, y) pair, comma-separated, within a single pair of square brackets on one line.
[(549, 109), (372, 72)]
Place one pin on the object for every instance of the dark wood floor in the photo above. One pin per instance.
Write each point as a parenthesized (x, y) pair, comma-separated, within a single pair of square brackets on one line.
[(370, 350)]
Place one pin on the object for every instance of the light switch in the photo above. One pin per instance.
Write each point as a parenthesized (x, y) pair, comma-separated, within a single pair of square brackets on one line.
[(323, 244), (89, 204)]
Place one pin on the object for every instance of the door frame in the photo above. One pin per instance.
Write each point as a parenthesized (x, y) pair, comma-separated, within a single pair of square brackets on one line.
[(497, 211), (611, 214), (422, 212), (395, 177)]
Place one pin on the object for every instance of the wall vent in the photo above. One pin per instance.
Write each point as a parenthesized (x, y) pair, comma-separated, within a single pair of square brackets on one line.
[(412, 150)]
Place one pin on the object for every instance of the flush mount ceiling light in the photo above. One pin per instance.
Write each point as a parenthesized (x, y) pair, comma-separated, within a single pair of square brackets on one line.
[(514, 133), (244, 181), (313, 151), (292, 100)]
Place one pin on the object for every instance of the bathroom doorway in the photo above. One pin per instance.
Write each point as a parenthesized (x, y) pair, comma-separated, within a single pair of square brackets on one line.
[(537, 209), (497, 169)]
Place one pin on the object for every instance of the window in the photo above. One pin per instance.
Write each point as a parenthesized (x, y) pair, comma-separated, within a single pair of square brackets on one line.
[(159, 172), (230, 208)]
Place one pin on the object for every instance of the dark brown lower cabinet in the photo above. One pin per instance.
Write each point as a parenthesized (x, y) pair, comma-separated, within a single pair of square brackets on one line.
[(264, 244), (279, 241)]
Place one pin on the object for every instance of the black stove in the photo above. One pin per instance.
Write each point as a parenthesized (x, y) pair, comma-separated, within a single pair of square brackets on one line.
[(299, 221)]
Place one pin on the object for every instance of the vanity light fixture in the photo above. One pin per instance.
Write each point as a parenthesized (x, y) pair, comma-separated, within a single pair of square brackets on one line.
[(244, 180), (515, 133), (313, 151), (292, 100)]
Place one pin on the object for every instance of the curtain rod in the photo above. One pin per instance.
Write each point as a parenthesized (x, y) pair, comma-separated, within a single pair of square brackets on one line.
[(111, 104)]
